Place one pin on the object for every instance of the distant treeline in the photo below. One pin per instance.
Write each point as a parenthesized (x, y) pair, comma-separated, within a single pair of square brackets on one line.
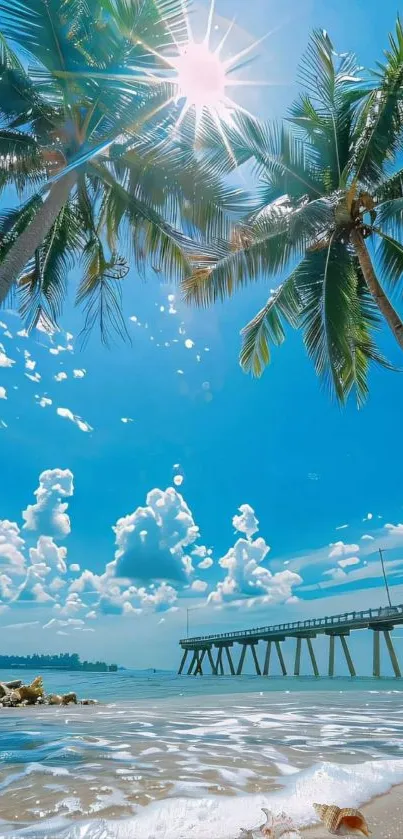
[(63, 661)]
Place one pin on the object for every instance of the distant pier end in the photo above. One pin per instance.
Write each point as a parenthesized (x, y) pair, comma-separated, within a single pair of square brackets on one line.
[(219, 655)]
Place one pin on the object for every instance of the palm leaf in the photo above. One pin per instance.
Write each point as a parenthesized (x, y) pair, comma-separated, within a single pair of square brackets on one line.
[(267, 327), (378, 131), (389, 254), (272, 240), (42, 288), (100, 292)]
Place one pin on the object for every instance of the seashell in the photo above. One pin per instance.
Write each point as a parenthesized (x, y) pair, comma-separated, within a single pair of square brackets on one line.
[(342, 821), (278, 826)]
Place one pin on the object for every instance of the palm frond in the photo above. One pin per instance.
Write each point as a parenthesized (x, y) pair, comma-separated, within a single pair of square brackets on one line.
[(389, 188), (325, 111), (272, 241), (324, 282), (100, 293), (378, 130), (364, 318), (286, 164), (42, 289), (389, 254), (154, 240), (267, 327)]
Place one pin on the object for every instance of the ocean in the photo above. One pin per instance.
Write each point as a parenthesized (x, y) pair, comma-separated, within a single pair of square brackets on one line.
[(193, 758)]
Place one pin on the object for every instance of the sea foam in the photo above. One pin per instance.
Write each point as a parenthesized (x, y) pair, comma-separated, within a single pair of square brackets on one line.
[(221, 817)]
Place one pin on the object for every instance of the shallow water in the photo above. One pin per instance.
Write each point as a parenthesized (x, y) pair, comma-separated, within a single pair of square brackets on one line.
[(188, 758)]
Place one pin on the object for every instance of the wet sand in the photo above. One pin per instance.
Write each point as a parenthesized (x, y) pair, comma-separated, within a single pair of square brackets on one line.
[(384, 816)]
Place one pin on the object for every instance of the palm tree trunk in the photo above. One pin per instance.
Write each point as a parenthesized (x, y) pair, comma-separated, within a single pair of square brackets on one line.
[(384, 305), (25, 246)]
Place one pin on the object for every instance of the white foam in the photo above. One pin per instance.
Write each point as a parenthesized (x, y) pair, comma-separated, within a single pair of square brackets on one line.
[(221, 817)]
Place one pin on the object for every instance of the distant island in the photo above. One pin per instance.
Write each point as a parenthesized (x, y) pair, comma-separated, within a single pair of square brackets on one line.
[(62, 661)]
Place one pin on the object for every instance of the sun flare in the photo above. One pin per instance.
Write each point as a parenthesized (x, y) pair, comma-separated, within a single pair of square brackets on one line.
[(200, 76)]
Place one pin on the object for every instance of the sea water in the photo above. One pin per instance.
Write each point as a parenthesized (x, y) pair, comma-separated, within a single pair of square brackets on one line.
[(193, 758)]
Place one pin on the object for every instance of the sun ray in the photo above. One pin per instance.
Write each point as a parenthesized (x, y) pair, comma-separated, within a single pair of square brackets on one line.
[(251, 83), (187, 20), (209, 22), (229, 62), (224, 37), (181, 117)]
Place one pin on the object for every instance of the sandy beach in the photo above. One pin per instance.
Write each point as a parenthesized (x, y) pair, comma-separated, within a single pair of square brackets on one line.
[(384, 816)]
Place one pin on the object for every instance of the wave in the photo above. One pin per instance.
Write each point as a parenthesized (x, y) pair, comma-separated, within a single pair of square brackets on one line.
[(221, 817)]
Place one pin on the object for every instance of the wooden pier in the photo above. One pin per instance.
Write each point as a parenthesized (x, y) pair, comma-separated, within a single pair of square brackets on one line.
[(215, 653)]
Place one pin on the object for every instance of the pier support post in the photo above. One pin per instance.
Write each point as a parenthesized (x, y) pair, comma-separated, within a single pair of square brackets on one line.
[(297, 666), (377, 655), (255, 659), (266, 666), (347, 655), (392, 654), (313, 659), (192, 663), (241, 660), (199, 668), (212, 664), (182, 664), (280, 658), (331, 656), (219, 664), (230, 662)]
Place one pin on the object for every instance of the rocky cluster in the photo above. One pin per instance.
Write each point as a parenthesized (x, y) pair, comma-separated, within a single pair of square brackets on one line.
[(16, 695)]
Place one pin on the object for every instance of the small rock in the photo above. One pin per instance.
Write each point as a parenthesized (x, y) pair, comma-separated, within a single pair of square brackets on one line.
[(69, 697)]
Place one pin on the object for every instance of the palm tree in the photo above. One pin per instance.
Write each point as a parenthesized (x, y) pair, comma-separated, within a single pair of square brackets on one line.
[(87, 149), (329, 219)]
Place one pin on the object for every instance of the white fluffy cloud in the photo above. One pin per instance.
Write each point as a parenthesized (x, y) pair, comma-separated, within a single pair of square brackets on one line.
[(341, 549), (11, 547), (48, 514), (78, 421), (60, 377), (49, 555), (151, 541), (4, 360), (246, 577), (3, 393), (199, 585), (246, 522), (350, 560)]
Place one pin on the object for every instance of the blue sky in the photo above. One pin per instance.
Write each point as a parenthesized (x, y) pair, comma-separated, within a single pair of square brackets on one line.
[(279, 445)]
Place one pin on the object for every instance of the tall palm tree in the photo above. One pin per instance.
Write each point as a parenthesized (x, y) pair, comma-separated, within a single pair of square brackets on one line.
[(87, 149), (329, 221)]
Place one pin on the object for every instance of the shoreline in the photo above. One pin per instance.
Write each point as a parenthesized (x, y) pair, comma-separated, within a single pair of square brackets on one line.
[(384, 815)]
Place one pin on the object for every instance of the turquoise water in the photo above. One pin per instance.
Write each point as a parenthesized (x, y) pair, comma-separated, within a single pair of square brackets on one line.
[(193, 758), (130, 685)]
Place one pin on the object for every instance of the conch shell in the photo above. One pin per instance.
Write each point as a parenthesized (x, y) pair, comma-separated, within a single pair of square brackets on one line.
[(278, 826), (343, 821), (33, 691)]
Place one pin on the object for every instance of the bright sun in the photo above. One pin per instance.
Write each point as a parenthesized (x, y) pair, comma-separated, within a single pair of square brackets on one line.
[(200, 76)]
